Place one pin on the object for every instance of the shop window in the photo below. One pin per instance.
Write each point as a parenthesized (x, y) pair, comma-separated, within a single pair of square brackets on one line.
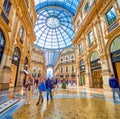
[(90, 38), (6, 7), (111, 16), (2, 44)]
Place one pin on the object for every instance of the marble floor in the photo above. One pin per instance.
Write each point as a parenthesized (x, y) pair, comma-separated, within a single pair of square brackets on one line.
[(70, 103)]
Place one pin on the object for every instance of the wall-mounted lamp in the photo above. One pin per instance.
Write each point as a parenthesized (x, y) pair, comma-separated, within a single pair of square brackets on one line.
[(15, 58), (26, 65), (83, 67), (99, 61)]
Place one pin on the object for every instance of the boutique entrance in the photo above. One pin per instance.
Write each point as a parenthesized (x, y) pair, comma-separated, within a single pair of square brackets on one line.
[(97, 81)]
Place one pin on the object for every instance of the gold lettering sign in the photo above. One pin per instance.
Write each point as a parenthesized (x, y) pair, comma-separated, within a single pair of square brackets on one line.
[(116, 55)]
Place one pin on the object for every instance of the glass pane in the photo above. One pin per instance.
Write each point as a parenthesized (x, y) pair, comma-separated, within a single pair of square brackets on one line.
[(111, 16), (54, 28)]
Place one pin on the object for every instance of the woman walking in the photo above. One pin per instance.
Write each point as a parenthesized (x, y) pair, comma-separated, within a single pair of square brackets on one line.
[(41, 88), (29, 85)]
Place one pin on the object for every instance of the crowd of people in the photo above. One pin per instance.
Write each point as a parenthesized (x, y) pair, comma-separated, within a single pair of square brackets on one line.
[(40, 85)]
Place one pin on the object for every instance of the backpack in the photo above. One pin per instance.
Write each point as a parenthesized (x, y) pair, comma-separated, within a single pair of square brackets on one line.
[(42, 86)]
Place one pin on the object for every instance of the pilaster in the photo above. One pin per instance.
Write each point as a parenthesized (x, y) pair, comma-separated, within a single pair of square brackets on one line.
[(5, 71)]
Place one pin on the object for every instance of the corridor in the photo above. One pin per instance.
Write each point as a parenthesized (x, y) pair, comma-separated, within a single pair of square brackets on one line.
[(70, 103)]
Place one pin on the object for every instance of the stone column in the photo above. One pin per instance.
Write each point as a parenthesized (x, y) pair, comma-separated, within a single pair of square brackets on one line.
[(87, 75), (78, 73), (103, 56), (106, 72)]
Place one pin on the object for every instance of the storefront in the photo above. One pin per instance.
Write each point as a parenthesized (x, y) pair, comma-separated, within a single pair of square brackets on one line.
[(15, 67), (82, 73), (115, 56), (97, 81)]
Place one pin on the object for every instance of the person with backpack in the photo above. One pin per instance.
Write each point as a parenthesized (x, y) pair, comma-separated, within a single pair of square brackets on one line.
[(41, 88)]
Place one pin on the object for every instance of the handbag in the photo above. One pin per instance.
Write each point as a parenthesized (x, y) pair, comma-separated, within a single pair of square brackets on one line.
[(42, 87), (52, 92)]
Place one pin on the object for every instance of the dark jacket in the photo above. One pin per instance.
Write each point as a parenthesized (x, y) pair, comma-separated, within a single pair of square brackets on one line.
[(113, 83), (49, 84)]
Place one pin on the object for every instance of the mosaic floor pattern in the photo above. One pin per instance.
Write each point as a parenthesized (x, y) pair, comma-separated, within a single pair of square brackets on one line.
[(7, 104), (73, 108), (66, 104)]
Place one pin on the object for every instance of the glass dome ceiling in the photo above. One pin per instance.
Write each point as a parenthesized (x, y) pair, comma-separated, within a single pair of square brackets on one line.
[(54, 30)]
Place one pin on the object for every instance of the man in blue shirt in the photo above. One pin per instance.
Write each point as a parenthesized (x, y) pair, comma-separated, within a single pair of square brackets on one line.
[(114, 84)]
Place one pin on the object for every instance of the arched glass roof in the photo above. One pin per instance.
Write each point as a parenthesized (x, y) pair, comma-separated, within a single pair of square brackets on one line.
[(54, 30), (69, 5)]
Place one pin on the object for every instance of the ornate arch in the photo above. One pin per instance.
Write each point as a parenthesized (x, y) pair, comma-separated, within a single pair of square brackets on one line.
[(6, 37), (95, 55), (90, 54), (115, 44), (108, 45)]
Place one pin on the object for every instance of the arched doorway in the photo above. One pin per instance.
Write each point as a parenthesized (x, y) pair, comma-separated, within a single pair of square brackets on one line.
[(82, 72), (115, 56), (15, 67), (50, 72), (97, 81), (2, 45)]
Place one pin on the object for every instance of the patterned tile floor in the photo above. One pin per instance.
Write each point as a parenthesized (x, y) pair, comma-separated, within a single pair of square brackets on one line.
[(71, 103)]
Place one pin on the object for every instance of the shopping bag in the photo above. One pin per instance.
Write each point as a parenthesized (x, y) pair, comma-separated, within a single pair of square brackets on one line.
[(52, 92)]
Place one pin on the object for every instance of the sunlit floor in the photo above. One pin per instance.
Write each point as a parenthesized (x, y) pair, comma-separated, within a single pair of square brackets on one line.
[(70, 103)]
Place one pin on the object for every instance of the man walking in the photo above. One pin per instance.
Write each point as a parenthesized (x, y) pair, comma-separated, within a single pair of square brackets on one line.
[(113, 83)]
